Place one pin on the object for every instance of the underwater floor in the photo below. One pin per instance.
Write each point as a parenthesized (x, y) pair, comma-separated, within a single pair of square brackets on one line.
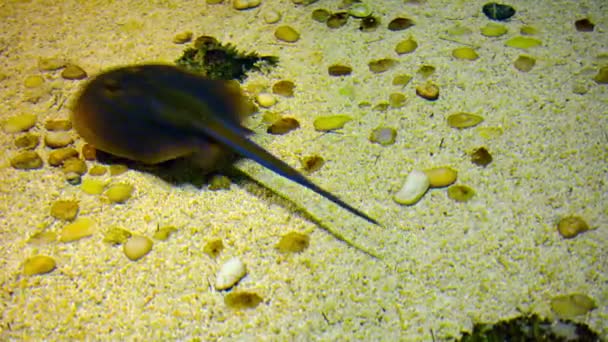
[(432, 269)]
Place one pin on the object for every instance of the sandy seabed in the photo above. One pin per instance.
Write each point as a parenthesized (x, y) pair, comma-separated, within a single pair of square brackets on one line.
[(442, 265)]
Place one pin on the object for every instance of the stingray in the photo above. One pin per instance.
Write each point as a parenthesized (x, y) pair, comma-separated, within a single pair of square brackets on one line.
[(154, 113)]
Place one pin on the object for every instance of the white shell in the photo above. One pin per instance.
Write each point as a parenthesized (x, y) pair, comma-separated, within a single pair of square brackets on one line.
[(416, 184), (230, 273)]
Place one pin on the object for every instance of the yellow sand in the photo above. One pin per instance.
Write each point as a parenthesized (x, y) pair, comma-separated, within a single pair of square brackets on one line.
[(440, 266)]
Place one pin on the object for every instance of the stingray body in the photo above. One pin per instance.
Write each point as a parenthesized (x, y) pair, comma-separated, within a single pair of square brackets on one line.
[(154, 113)]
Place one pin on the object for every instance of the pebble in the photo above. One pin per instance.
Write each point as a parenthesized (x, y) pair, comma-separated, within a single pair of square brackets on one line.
[(428, 91), (28, 141), (230, 273), (219, 182), (402, 80), (493, 30), (396, 100), (19, 123), (359, 10), (524, 63), (312, 163), (74, 165), (272, 17), (369, 24), (466, 53), (498, 12), (137, 247), (460, 193), (339, 70), (287, 34), (50, 64), (214, 2), (440, 177), (213, 248), (602, 76), (119, 193), (284, 88), (58, 156), (571, 226), (73, 178), (584, 25), (39, 264), (383, 135), (283, 126), (399, 24), (242, 300), (163, 233), (425, 71), (481, 157), (337, 20), (73, 72), (92, 186), (293, 242), (58, 139), (572, 305), (58, 125), (79, 229), (118, 169), (265, 100), (331, 122), (182, 37), (462, 120), (116, 236), (381, 65), (27, 160), (245, 4), (321, 15), (33, 81), (98, 170), (406, 46), (521, 42), (415, 186), (89, 152), (65, 210)]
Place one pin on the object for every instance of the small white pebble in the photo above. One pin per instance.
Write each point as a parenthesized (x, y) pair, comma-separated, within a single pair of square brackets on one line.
[(272, 16), (265, 100), (230, 273), (416, 184), (245, 4)]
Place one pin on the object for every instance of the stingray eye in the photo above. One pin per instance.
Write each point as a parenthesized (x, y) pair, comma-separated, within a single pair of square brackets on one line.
[(112, 87)]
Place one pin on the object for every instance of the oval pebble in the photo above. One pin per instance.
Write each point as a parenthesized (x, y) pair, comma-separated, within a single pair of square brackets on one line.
[(39, 264), (27, 160), (119, 193), (383, 135), (58, 139), (64, 210), (79, 229), (441, 176), (428, 91), (571, 226), (73, 72), (464, 120), (28, 141), (284, 88), (58, 125), (271, 17), (331, 122), (265, 100), (283, 126), (33, 81), (406, 46), (415, 186), (460, 193), (230, 273), (245, 4), (293, 242), (137, 247), (493, 30), (359, 10), (19, 123), (92, 186), (497, 11), (521, 42), (572, 305), (524, 63), (287, 34), (339, 70), (58, 156), (465, 53), (399, 24)]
